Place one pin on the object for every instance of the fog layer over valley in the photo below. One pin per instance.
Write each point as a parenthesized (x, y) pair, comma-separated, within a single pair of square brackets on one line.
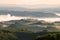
[(8, 17), (30, 19)]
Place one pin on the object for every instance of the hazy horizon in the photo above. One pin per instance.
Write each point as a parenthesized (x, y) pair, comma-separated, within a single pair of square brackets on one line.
[(31, 8), (31, 3)]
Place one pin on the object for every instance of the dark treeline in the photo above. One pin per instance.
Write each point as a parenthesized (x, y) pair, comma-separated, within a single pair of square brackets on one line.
[(10, 34)]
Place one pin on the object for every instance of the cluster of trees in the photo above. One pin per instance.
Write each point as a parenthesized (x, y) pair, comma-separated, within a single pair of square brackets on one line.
[(10, 34), (49, 37)]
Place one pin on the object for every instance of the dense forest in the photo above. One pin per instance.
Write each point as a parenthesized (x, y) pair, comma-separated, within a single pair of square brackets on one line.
[(49, 37), (7, 34)]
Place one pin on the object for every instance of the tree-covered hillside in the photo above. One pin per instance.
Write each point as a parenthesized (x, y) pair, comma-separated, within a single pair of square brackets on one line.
[(49, 37), (9, 34), (29, 29)]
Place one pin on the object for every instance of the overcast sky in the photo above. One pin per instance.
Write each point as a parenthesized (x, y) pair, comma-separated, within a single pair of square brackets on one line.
[(31, 3)]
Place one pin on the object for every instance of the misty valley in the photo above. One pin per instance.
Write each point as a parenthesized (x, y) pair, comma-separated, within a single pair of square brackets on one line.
[(29, 19), (32, 25), (29, 29)]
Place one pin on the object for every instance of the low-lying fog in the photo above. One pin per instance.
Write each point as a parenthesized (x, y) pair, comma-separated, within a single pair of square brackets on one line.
[(8, 17)]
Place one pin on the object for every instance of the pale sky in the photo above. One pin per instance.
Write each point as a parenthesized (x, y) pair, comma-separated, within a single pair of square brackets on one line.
[(31, 3)]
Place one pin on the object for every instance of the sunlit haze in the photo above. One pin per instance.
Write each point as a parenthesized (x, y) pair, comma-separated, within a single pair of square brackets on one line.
[(58, 14), (32, 3)]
